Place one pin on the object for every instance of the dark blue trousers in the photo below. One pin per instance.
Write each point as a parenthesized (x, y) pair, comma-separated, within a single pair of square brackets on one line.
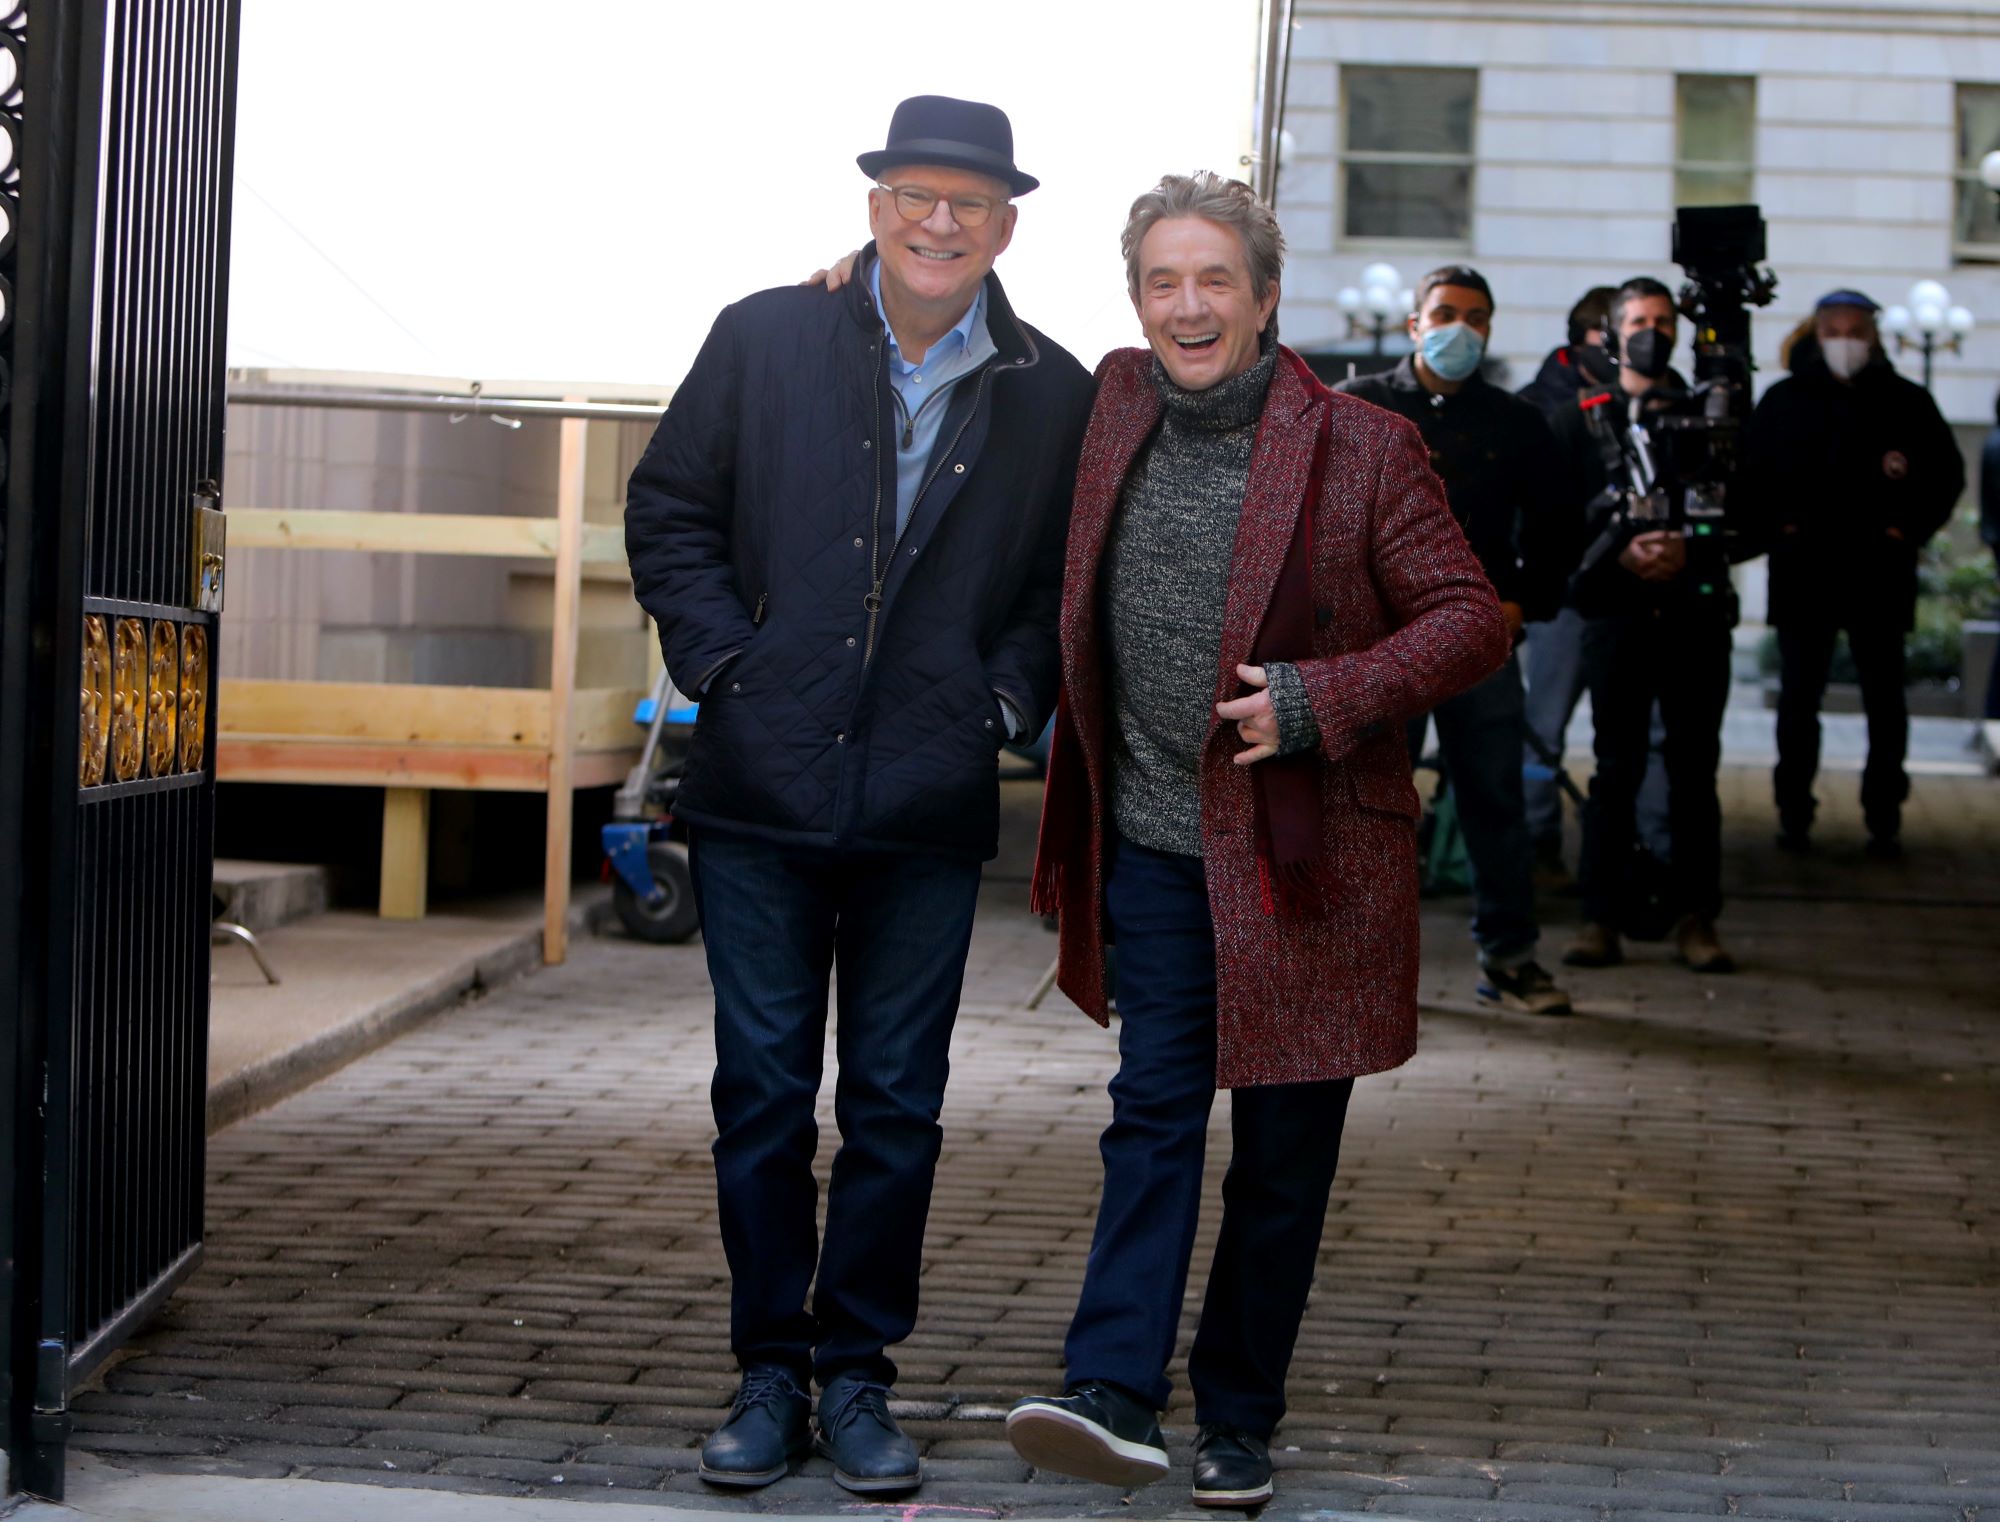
[(776, 920), (1286, 1144)]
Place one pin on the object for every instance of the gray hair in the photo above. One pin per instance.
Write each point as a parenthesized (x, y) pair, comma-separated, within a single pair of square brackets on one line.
[(1208, 195)]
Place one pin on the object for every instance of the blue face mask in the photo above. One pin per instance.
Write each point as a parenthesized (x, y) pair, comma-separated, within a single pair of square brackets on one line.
[(1454, 351)]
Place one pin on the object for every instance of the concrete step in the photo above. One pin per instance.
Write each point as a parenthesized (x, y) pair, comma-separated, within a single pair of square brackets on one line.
[(262, 895)]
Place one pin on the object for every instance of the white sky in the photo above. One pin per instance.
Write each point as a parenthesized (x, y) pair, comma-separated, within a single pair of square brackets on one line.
[(514, 189)]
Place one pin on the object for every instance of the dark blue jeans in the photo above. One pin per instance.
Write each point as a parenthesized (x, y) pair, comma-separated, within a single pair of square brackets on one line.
[(1479, 739), (775, 920), (1286, 1145), (1805, 654)]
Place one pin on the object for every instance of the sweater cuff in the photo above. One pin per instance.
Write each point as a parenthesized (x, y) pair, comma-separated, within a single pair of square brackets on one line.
[(1292, 706)]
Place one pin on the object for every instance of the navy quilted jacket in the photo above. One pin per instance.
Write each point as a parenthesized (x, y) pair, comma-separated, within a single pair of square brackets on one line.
[(848, 679)]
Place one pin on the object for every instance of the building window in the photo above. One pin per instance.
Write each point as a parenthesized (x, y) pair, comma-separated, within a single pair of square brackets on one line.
[(1715, 136), (1406, 154), (1976, 224)]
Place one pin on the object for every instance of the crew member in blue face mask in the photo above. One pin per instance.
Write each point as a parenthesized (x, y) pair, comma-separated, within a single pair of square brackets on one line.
[(1503, 477)]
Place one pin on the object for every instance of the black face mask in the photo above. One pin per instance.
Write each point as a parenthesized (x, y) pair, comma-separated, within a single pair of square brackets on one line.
[(1647, 352), (1595, 362)]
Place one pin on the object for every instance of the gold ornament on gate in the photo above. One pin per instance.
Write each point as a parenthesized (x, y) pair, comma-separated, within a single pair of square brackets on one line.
[(94, 727), (163, 685), (128, 698), (194, 695)]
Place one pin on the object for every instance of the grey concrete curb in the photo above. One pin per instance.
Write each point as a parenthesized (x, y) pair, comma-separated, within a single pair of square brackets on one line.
[(264, 1083)]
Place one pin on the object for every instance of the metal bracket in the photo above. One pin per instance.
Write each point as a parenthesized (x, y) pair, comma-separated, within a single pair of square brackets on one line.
[(210, 539)]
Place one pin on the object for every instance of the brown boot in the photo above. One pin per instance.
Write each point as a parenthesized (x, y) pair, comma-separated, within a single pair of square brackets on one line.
[(1595, 945), (1700, 949)]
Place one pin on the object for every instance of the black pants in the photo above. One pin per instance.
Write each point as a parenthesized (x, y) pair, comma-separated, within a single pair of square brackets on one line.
[(776, 920), (1804, 654), (1682, 661), (1286, 1144)]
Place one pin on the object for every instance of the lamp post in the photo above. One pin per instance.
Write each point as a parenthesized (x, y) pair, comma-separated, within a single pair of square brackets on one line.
[(1380, 300), (1928, 322)]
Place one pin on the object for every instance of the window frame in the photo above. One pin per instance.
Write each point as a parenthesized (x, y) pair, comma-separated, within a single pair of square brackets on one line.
[(1343, 156), (1683, 165), (1967, 176)]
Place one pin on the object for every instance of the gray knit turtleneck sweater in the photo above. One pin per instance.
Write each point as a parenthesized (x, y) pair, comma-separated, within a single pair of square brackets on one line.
[(1165, 581)]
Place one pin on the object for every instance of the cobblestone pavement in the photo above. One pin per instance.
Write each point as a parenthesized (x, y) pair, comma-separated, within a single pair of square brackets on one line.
[(1715, 1247)]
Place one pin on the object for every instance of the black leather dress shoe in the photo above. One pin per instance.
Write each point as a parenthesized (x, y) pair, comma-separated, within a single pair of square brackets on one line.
[(870, 1454), (767, 1431), (1093, 1431), (1231, 1468)]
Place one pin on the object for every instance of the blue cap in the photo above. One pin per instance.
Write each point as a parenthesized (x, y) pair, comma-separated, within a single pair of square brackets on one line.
[(1845, 299)]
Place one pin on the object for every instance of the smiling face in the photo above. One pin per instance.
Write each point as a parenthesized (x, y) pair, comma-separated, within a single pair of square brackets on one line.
[(1196, 302), (938, 262)]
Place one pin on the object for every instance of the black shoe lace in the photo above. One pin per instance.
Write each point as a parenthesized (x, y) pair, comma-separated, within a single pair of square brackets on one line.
[(861, 1398), (763, 1386)]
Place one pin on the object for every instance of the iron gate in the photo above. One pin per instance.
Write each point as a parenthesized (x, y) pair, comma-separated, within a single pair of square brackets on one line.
[(113, 271)]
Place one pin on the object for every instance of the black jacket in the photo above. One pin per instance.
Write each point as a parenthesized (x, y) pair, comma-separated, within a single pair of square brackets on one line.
[(1989, 492), (1831, 469), (1501, 475), (1558, 382), (1601, 587), (848, 678)]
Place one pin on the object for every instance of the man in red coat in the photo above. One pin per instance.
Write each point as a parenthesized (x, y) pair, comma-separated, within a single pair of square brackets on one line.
[(1263, 584)]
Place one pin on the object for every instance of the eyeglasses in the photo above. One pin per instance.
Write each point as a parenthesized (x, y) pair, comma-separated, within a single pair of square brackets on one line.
[(915, 204)]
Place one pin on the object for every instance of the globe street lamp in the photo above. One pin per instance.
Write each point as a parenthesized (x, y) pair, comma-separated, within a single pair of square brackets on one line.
[(1378, 302), (1928, 321)]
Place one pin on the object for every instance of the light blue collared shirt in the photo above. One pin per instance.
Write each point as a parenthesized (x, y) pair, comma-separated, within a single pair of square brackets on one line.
[(921, 390)]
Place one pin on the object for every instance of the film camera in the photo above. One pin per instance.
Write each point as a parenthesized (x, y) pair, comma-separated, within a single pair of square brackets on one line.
[(1677, 451)]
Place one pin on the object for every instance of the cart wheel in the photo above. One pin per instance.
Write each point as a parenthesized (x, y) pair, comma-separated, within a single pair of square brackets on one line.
[(671, 920)]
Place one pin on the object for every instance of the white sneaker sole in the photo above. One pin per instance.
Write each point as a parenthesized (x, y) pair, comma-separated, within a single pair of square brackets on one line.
[(1049, 1437), (1257, 1495)]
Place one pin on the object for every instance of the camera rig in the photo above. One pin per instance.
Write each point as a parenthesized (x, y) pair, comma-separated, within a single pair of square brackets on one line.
[(1677, 453)]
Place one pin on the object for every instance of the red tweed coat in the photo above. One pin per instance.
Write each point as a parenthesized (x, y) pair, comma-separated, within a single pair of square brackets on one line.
[(1404, 618)]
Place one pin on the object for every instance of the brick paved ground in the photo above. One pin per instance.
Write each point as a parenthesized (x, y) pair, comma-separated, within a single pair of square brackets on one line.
[(1714, 1247)]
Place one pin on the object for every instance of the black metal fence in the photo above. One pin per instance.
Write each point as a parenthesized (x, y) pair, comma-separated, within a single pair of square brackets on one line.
[(113, 566)]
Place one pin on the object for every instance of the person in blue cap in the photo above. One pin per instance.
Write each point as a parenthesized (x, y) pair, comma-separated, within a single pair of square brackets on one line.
[(1851, 468)]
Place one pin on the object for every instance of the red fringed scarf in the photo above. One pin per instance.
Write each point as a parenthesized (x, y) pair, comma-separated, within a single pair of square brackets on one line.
[(1290, 810)]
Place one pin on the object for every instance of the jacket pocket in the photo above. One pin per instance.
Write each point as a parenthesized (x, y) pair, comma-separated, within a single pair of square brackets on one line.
[(1386, 792)]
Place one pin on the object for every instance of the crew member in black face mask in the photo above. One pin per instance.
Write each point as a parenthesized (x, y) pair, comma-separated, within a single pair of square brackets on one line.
[(1647, 636), (1583, 363), (1552, 656)]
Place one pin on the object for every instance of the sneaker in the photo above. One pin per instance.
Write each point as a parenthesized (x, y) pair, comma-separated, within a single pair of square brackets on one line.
[(766, 1432), (1594, 945), (871, 1455), (1526, 988), (1699, 948), (1231, 1468), (1093, 1431)]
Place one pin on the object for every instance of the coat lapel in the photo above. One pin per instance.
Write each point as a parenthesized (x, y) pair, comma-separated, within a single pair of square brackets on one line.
[(1126, 412), (1280, 465)]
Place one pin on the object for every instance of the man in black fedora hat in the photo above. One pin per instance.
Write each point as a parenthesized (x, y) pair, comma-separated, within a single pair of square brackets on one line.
[(850, 527)]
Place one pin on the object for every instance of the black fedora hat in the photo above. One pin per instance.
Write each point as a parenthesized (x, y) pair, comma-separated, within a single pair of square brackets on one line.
[(959, 134)]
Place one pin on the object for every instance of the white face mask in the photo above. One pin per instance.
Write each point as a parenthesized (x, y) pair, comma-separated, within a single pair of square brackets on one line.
[(1845, 357)]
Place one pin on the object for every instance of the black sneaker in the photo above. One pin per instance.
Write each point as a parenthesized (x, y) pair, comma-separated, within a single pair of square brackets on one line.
[(1093, 1431), (1231, 1468), (1526, 988), (870, 1454), (766, 1432)]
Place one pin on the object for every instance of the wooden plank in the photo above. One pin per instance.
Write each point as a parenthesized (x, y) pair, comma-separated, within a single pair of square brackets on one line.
[(417, 533), (406, 825), (399, 711), (343, 763), (362, 763), (603, 718), (572, 483)]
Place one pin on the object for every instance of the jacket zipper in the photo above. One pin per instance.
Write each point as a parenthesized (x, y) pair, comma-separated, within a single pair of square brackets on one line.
[(757, 616), (873, 601)]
